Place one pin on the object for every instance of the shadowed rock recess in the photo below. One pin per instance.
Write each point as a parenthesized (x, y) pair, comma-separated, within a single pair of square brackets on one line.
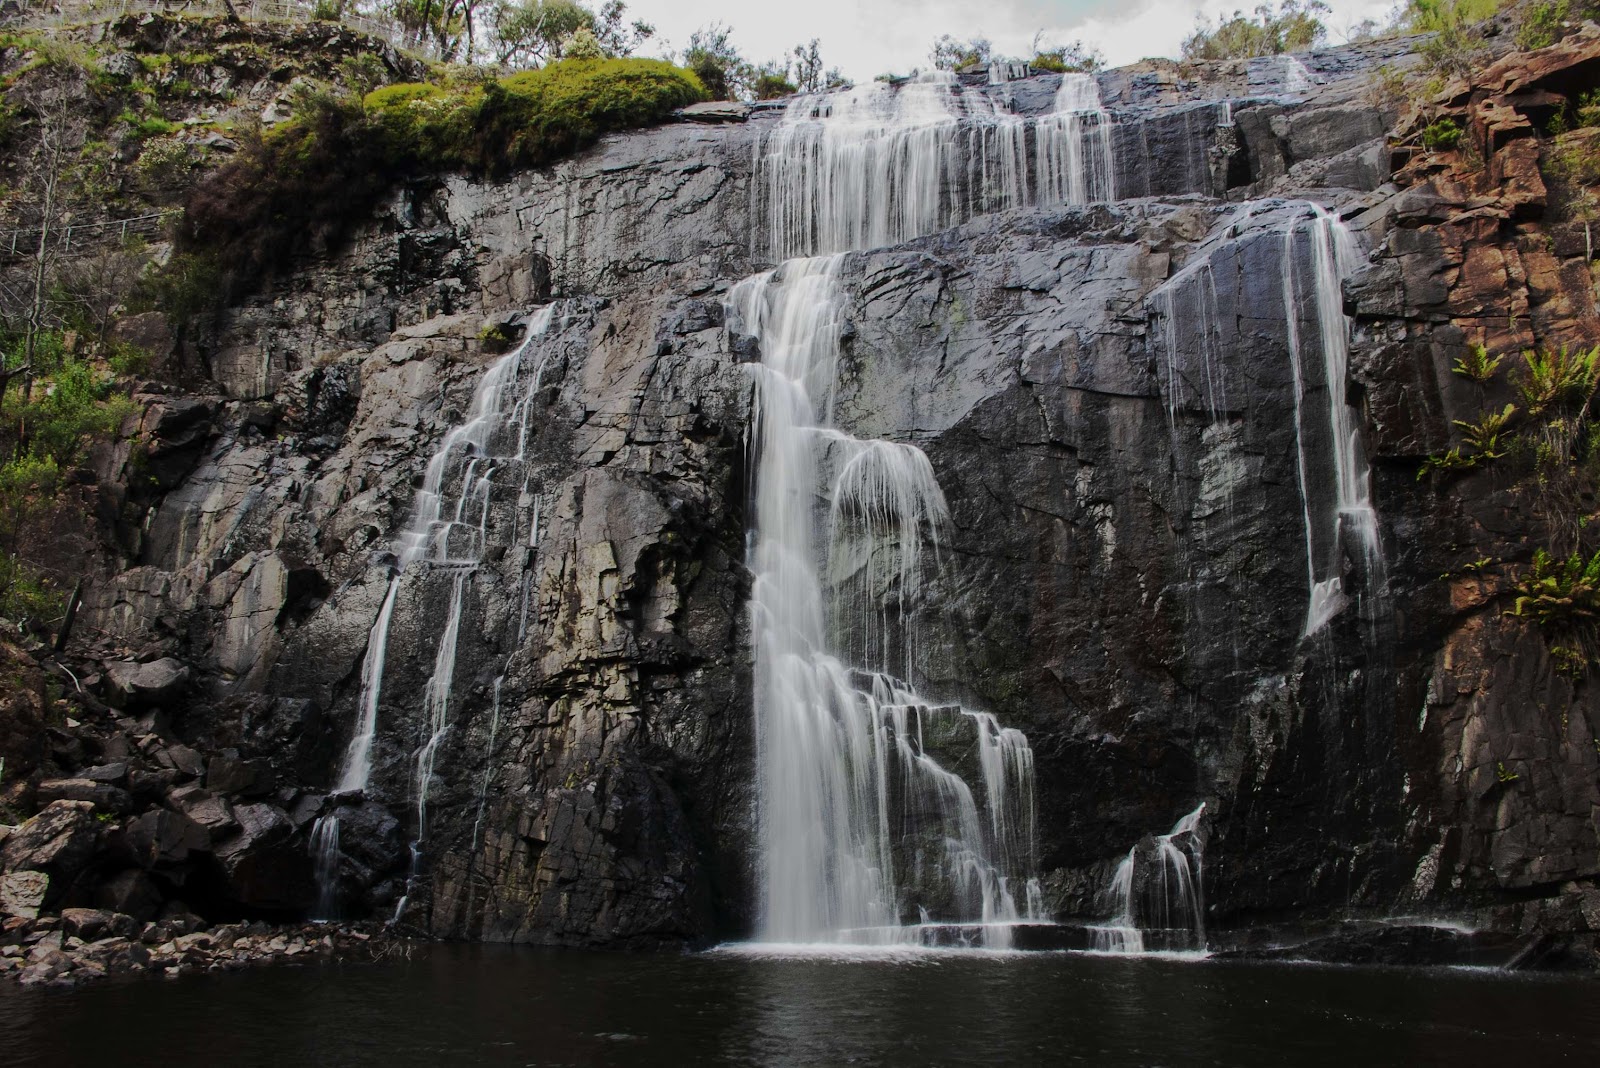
[(1126, 436)]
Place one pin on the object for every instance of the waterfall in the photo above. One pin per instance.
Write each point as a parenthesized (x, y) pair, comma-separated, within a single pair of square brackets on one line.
[(862, 828), (878, 164), (1335, 480), (1157, 891), (1073, 154), (447, 532)]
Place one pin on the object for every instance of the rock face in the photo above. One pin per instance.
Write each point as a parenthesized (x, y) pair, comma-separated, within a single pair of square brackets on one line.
[(1107, 400)]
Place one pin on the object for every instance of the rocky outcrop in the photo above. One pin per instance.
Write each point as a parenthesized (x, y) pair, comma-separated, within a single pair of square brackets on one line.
[(1106, 397)]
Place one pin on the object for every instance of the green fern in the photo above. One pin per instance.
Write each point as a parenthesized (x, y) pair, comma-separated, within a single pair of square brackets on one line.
[(1478, 365)]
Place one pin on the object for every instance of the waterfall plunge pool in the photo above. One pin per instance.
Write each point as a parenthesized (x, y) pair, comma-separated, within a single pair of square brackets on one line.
[(497, 1005)]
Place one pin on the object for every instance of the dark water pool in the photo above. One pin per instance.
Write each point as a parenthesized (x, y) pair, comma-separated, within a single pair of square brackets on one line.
[(505, 1006)]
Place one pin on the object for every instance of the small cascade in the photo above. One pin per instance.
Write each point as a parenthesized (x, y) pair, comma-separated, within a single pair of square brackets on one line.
[(448, 532), (1073, 155), (867, 836), (1296, 78), (1335, 479), (878, 164), (1157, 893)]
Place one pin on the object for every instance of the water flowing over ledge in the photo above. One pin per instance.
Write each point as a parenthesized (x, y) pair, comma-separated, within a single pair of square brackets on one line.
[(877, 164)]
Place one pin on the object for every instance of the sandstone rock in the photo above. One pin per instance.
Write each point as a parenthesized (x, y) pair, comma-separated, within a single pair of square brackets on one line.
[(22, 893)]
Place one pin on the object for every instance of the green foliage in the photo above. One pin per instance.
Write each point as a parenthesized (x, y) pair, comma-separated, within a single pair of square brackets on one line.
[(770, 85), (1441, 16), (305, 182), (1073, 58), (1455, 47), (1291, 27), (1441, 135), (1487, 437), (1478, 365), (949, 53), (1504, 774), (187, 287), (1557, 378), (1541, 24), (714, 60), (1558, 593)]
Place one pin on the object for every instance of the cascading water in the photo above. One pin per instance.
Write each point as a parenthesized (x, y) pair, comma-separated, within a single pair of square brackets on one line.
[(862, 829), (1335, 480), (448, 533), (877, 164), (1158, 893)]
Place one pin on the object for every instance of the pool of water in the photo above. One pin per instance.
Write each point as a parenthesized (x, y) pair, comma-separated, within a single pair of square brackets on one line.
[(516, 1006)]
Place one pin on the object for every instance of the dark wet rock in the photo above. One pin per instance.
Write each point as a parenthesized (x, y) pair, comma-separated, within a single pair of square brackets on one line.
[(60, 841), (137, 686), (102, 795), (131, 892), (93, 924)]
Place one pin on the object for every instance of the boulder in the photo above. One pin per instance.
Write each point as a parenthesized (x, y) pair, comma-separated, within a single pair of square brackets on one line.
[(101, 795), (130, 891), (264, 865), (136, 686), (93, 924), (162, 837), (59, 841), (227, 774), (22, 892)]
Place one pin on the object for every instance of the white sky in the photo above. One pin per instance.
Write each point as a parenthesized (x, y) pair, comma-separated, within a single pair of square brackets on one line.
[(869, 37)]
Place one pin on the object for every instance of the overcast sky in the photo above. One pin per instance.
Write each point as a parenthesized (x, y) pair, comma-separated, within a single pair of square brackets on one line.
[(870, 37)]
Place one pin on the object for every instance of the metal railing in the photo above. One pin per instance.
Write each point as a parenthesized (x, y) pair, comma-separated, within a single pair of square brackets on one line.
[(66, 235)]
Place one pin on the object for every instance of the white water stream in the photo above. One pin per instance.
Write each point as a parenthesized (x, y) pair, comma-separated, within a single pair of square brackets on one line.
[(877, 164), (862, 829), (1167, 903), (447, 532), (1335, 480), (867, 834)]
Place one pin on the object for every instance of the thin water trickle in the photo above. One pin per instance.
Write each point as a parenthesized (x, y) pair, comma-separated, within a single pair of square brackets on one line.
[(1335, 479), (447, 532)]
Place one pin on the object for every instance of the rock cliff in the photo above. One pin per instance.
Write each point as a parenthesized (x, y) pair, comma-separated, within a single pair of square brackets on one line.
[(1106, 398)]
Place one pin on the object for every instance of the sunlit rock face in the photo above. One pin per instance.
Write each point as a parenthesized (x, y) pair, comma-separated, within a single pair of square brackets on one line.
[(1168, 359)]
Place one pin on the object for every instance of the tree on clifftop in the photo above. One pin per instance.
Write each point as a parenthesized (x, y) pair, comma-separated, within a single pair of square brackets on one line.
[(1291, 27)]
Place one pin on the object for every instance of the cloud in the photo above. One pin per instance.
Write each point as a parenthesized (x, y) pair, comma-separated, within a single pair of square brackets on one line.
[(869, 37)]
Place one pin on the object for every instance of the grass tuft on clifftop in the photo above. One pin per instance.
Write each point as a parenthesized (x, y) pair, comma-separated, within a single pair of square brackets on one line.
[(312, 177)]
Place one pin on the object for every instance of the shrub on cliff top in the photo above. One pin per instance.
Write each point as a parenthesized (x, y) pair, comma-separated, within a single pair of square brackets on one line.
[(1293, 26), (308, 180)]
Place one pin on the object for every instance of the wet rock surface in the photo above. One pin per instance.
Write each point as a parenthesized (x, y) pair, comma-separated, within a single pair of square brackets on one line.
[(1105, 398)]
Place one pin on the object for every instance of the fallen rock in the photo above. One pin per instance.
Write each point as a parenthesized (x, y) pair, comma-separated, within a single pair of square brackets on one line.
[(102, 795), (59, 841), (130, 891), (163, 837), (136, 686), (93, 924), (22, 892)]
